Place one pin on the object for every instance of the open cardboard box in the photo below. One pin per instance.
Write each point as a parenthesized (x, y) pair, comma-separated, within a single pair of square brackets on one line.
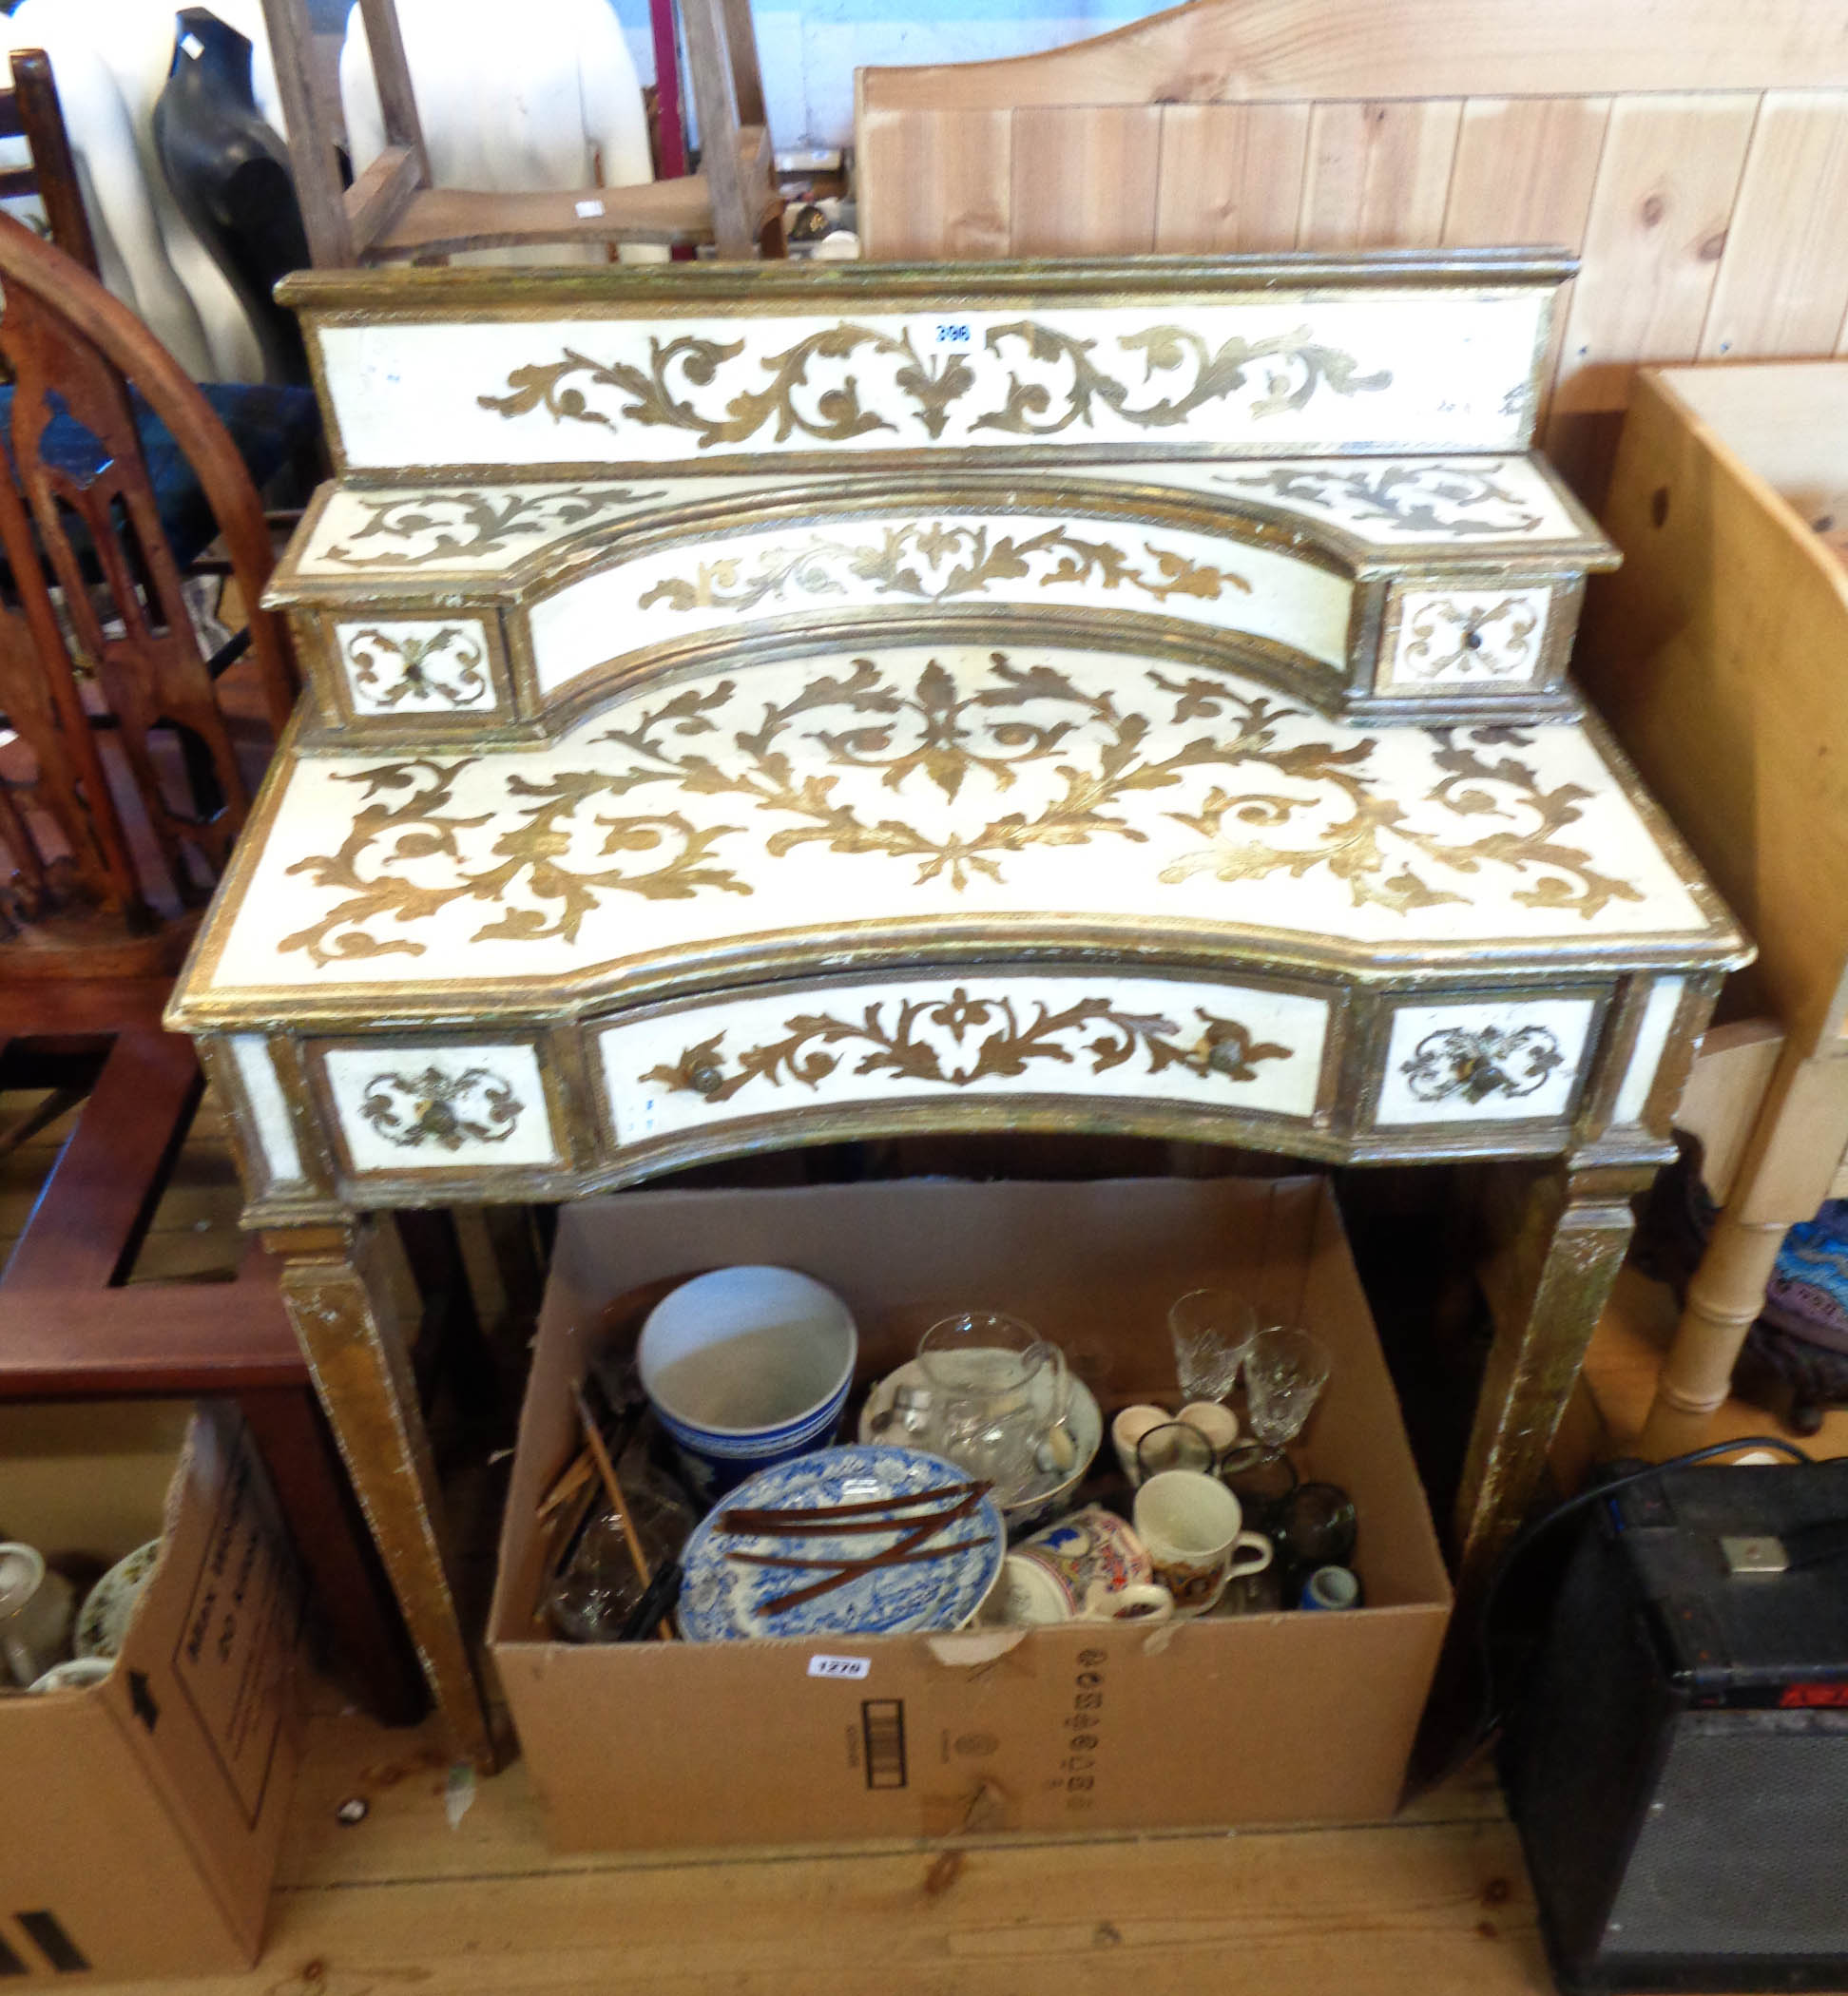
[(1288, 1718), (143, 1816)]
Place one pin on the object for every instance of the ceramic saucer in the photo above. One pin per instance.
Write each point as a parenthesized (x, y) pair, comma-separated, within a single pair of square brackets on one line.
[(722, 1598), (110, 1606), (1084, 1421)]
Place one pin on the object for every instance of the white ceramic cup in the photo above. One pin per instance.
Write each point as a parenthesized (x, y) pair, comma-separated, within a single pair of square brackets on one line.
[(1089, 1566), (1129, 1429), (1190, 1524), (35, 1610)]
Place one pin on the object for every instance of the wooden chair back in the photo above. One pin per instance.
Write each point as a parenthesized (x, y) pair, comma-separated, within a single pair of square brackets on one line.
[(95, 635), (392, 212), (30, 111), (1696, 159)]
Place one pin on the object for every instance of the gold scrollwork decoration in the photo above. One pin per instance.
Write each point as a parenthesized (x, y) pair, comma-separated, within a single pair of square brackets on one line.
[(1281, 803), (1450, 640), (409, 1110), (465, 525), (1302, 365), (1444, 501), (1004, 1045), (440, 665), (936, 563), (1456, 1061), (663, 394), (404, 830)]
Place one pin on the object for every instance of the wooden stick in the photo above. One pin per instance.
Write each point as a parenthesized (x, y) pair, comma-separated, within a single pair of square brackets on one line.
[(855, 1566), (791, 1516), (613, 1492), (913, 1538), (572, 1479)]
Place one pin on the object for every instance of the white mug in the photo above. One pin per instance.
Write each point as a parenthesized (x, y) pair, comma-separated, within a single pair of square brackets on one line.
[(35, 1611), (1190, 1524)]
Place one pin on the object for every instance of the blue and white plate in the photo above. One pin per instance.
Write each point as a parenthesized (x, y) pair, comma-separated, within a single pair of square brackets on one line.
[(722, 1598)]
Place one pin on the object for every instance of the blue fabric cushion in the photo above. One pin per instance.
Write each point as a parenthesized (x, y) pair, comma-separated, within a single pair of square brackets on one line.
[(267, 425)]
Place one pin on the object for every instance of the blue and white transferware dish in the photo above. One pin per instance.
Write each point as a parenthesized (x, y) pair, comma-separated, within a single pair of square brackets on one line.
[(746, 1366), (722, 1597)]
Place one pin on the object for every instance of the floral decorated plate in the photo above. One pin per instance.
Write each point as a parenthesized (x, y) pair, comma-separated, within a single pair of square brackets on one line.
[(759, 1575), (110, 1606)]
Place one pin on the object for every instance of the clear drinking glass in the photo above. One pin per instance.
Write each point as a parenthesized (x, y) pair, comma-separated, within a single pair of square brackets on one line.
[(1285, 1370), (1211, 1329)]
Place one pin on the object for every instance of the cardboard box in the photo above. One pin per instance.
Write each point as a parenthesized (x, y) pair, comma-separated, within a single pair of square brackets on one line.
[(143, 1816), (1292, 1717)]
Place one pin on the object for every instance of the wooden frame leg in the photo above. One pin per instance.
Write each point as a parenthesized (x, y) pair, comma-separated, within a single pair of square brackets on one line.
[(355, 1596), (1560, 1241), (338, 1284)]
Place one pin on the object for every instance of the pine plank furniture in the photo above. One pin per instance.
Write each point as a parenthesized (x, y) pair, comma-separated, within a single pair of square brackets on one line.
[(1660, 149), (1717, 654), (752, 705)]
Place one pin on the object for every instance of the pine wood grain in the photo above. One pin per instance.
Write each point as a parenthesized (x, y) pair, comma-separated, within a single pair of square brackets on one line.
[(1782, 286), (1434, 1901), (951, 179), (1244, 50), (1377, 174), (1669, 170), (1717, 653), (1525, 170), (1084, 179), (1231, 176)]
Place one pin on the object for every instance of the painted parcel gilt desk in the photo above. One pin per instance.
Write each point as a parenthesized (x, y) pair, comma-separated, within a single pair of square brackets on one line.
[(759, 705)]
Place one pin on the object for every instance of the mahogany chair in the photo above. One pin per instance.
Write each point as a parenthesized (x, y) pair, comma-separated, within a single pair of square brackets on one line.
[(30, 111), (132, 771)]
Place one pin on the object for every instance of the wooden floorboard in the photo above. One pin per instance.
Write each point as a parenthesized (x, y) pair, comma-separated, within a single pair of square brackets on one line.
[(1431, 1903)]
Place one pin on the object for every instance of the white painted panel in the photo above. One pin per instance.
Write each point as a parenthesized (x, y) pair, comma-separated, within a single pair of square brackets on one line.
[(1517, 1059), (1491, 504), (1646, 1056), (964, 558), (409, 1108), (1487, 637), (942, 1037), (433, 666), (269, 1124), (1375, 370)]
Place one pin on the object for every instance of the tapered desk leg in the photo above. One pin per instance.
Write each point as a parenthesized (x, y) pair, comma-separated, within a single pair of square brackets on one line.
[(1557, 1242), (337, 1285)]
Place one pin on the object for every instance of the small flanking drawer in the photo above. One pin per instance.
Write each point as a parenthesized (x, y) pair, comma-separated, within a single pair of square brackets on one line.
[(1493, 1060), (937, 1037), (400, 1106)]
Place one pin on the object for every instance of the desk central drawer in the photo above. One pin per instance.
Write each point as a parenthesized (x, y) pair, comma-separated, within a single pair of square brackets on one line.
[(960, 1035)]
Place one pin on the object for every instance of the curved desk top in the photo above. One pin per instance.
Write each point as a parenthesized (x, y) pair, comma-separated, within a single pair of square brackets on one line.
[(938, 801)]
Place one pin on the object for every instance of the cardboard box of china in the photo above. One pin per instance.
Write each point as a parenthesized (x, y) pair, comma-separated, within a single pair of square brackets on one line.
[(1292, 1717), (144, 1815)]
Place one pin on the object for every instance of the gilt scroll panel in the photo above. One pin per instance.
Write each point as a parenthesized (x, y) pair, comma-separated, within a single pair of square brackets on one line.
[(404, 1106), (1098, 1037)]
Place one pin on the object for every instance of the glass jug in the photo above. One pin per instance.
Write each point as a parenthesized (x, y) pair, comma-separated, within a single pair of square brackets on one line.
[(997, 1399)]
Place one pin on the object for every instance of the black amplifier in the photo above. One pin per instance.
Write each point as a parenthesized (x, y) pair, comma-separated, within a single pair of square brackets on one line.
[(1678, 1757)]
